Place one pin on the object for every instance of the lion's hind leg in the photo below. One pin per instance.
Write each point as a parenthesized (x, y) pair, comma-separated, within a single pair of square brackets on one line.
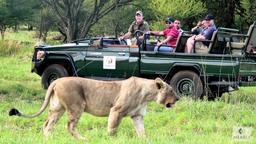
[(56, 110), (74, 114)]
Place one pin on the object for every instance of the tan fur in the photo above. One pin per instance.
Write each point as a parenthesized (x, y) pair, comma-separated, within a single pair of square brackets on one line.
[(115, 99)]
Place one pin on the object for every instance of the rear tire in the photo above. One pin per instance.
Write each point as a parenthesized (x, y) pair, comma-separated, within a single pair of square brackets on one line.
[(52, 73), (187, 83)]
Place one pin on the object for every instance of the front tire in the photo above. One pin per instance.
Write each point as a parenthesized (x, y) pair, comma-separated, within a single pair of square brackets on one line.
[(52, 73), (187, 83)]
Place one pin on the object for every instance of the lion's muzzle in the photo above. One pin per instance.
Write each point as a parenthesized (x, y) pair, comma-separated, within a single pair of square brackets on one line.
[(170, 102)]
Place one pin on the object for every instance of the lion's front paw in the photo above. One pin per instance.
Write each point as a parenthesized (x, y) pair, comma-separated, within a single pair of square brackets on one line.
[(112, 131)]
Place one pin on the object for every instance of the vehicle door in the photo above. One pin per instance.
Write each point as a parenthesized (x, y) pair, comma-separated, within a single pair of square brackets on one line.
[(107, 61)]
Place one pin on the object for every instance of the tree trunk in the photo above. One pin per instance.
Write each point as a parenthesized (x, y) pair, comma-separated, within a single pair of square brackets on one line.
[(15, 28), (2, 34), (2, 30), (30, 27), (68, 13), (44, 36)]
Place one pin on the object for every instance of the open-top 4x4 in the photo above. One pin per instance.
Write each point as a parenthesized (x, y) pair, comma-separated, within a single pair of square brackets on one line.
[(229, 63)]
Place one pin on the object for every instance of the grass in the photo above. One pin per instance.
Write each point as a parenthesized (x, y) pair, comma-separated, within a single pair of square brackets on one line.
[(190, 122)]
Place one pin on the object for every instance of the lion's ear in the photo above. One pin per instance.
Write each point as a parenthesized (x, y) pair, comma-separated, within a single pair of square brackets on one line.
[(159, 83)]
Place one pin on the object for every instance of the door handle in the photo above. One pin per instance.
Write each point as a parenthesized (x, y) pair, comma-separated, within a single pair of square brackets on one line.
[(97, 54), (121, 54)]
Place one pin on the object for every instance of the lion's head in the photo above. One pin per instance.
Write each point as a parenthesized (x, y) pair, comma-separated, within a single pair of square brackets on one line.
[(166, 95)]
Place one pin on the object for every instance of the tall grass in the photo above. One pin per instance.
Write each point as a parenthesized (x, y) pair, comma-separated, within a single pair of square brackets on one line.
[(21, 36), (9, 47)]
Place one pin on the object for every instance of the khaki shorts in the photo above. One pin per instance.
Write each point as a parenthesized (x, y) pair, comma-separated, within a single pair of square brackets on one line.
[(201, 48), (134, 41)]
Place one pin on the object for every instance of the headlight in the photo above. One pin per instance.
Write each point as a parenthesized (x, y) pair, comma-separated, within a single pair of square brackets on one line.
[(40, 55)]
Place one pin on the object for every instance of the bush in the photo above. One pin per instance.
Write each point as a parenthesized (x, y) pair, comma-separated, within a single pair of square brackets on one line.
[(9, 47)]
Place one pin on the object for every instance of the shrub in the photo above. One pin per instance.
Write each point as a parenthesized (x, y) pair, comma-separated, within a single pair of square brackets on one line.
[(9, 47)]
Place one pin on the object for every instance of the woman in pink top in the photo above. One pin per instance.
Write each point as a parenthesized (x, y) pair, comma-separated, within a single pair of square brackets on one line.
[(170, 33)]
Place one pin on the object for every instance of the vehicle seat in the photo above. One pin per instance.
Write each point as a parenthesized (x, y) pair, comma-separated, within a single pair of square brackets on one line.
[(212, 41), (236, 47)]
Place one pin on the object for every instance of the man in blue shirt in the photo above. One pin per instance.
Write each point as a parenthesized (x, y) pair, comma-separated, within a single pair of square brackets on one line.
[(205, 35)]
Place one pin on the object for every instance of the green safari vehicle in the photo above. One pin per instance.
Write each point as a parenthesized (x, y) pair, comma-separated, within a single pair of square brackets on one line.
[(229, 63)]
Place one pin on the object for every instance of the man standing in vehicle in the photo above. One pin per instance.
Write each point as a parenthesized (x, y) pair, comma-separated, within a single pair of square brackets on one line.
[(171, 35), (138, 24)]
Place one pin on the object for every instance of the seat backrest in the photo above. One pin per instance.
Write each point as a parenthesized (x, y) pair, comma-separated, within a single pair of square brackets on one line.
[(249, 33), (219, 45), (228, 30), (213, 40), (253, 37), (181, 42), (244, 41), (251, 42), (211, 44), (178, 40)]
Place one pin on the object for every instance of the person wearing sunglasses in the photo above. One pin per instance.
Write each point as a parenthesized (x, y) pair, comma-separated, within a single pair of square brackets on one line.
[(170, 33)]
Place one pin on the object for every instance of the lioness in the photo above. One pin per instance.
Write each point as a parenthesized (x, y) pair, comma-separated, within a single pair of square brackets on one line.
[(115, 99)]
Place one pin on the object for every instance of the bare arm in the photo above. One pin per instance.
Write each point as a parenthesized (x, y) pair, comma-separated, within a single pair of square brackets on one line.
[(194, 28), (159, 33), (165, 40), (199, 37), (126, 36)]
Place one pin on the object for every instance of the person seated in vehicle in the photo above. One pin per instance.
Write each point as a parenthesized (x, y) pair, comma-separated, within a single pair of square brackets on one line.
[(177, 24), (170, 33), (206, 34), (198, 28), (138, 24)]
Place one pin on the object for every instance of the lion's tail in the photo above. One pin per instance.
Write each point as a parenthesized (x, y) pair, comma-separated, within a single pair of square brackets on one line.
[(48, 95)]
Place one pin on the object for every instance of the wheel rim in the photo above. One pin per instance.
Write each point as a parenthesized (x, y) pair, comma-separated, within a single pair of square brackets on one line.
[(52, 78), (185, 87)]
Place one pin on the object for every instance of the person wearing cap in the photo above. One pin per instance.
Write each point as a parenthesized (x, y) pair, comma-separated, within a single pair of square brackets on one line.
[(206, 34), (210, 18), (138, 24), (170, 33)]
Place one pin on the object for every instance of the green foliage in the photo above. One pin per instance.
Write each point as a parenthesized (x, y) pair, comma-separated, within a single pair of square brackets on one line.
[(249, 16), (115, 22), (225, 11), (185, 10), (15, 12), (3, 10)]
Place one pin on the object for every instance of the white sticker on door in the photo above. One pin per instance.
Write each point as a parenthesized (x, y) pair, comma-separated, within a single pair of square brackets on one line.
[(109, 62)]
